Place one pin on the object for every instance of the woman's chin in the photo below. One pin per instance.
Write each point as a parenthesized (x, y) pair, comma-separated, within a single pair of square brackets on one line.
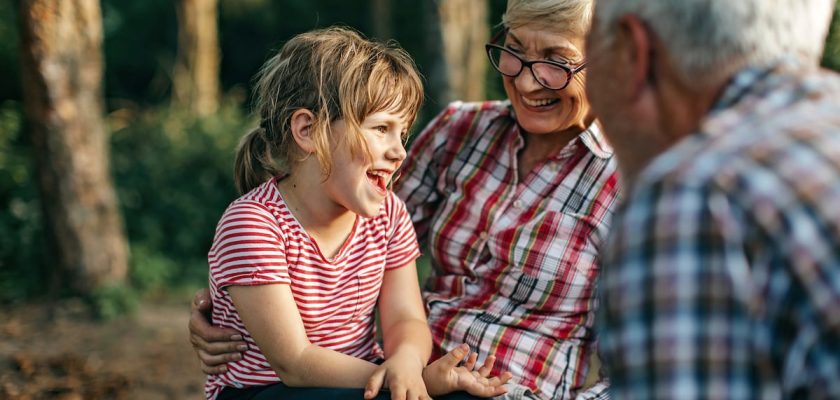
[(542, 129)]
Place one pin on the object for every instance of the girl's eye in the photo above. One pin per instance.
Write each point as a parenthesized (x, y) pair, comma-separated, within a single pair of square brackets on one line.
[(382, 129)]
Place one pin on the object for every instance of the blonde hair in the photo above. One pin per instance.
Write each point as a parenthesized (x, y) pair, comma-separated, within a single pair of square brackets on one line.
[(573, 16), (336, 74)]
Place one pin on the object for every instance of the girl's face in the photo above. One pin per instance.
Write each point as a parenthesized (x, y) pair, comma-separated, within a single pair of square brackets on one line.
[(360, 184), (540, 110)]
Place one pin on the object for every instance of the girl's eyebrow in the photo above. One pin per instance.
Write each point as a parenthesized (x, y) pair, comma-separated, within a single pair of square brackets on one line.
[(388, 118)]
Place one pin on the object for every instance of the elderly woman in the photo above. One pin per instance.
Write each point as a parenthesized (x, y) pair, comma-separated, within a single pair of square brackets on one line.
[(512, 199)]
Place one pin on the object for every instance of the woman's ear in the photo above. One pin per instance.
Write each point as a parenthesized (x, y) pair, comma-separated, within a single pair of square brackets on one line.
[(302, 125)]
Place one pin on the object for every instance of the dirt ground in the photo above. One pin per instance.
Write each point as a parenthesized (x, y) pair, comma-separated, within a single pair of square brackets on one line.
[(58, 352)]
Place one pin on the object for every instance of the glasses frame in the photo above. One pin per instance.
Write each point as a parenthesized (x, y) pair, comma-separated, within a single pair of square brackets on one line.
[(570, 72)]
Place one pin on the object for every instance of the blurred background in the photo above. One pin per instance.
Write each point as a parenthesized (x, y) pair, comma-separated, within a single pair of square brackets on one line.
[(118, 125)]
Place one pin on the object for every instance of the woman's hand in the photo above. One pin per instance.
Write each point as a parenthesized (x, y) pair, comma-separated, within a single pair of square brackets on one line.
[(445, 376), (402, 374), (214, 346)]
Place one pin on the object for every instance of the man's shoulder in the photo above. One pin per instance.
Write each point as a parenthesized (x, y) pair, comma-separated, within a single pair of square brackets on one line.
[(792, 125)]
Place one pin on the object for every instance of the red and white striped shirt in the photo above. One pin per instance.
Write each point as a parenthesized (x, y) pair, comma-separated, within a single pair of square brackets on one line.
[(258, 241)]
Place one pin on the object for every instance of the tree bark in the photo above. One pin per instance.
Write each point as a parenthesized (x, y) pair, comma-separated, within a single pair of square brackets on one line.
[(464, 30), (61, 58), (195, 76)]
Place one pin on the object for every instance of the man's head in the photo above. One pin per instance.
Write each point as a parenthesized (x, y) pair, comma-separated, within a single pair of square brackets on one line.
[(656, 66)]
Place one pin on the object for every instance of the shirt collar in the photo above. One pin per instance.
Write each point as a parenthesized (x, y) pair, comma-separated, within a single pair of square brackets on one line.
[(592, 138)]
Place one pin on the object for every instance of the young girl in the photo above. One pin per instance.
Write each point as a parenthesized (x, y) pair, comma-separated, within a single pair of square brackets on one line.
[(317, 240)]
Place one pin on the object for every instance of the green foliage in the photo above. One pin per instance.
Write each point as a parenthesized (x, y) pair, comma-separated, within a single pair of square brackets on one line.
[(113, 301), (9, 43), (831, 56), (149, 269), (22, 246), (174, 178)]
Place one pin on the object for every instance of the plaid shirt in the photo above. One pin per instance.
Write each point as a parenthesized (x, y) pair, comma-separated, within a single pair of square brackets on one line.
[(722, 274), (514, 263)]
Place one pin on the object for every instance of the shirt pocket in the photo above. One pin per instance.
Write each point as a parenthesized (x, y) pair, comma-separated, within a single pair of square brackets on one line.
[(552, 258), (368, 284)]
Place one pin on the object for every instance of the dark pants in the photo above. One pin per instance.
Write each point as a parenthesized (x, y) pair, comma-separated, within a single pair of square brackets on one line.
[(279, 391)]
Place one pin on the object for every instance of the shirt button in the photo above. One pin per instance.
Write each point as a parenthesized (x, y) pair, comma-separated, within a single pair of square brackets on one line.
[(517, 204), (484, 235)]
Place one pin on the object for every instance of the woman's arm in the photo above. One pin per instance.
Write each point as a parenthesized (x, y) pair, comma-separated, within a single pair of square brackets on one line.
[(213, 345), (405, 334), (272, 318)]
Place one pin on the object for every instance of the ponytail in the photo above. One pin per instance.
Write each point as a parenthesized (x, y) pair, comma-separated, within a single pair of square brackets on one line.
[(254, 163)]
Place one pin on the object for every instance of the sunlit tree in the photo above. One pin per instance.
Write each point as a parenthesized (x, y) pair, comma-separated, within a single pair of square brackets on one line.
[(61, 70)]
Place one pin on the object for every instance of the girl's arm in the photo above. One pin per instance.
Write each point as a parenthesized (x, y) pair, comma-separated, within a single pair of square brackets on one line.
[(272, 318), (405, 334)]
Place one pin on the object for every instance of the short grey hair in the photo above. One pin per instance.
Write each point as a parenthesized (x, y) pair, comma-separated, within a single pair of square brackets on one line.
[(573, 16), (707, 37)]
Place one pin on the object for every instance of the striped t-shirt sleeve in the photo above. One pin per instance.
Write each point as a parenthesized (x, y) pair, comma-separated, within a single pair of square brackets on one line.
[(402, 243), (248, 249)]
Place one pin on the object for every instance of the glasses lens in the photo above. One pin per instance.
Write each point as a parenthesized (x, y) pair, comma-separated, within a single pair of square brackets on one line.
[(550, 75), (504, 61)]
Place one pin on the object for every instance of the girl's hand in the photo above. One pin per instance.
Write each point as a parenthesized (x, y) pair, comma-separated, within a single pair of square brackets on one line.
[(402, 375), (445, 376)]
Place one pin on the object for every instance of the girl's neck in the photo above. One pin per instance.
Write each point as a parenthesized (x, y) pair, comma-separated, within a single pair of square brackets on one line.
[(310, 204), (328, 223)]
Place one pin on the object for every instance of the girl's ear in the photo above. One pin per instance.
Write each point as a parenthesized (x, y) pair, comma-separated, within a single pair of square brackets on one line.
[(302, 125)]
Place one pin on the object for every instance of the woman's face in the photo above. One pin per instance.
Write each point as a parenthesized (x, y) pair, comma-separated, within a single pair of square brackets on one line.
[(539, 110)]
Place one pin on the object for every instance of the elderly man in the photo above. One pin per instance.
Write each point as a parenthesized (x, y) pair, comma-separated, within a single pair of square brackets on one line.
[(721, 277)]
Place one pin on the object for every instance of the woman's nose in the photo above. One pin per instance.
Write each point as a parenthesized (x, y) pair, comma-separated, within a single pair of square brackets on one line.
[(525, 81)]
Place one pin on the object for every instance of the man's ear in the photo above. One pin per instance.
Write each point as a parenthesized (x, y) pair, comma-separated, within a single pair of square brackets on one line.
[(637, 53), (302, 124)]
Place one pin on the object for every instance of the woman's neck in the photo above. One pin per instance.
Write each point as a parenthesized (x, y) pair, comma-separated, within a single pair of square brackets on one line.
[(538, 148)]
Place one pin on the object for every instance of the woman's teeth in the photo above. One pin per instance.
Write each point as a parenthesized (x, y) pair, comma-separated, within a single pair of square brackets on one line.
[(538, 102)]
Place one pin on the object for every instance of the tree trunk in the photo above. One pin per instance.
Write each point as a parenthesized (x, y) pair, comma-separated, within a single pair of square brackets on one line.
[(195, 77), (61, 58), (464, 30)]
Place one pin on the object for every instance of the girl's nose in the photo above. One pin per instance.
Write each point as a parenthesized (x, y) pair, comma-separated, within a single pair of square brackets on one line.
[(396, 151)]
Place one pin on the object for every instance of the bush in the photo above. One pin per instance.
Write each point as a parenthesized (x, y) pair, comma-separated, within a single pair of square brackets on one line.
[(174, 178), (22, 273)]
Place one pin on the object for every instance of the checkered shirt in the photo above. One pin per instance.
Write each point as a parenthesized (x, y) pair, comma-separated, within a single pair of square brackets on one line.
[(722, 273), (514, 263)]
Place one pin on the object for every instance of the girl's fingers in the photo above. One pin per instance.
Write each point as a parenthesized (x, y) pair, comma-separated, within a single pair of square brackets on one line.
[(485, 369), (374, 383), (470, 363)]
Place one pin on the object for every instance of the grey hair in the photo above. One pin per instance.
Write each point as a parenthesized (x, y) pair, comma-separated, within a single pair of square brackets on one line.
[(710, 38), (573, 16)]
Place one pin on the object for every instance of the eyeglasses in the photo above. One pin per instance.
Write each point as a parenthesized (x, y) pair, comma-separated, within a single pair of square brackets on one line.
[(550, 74)]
